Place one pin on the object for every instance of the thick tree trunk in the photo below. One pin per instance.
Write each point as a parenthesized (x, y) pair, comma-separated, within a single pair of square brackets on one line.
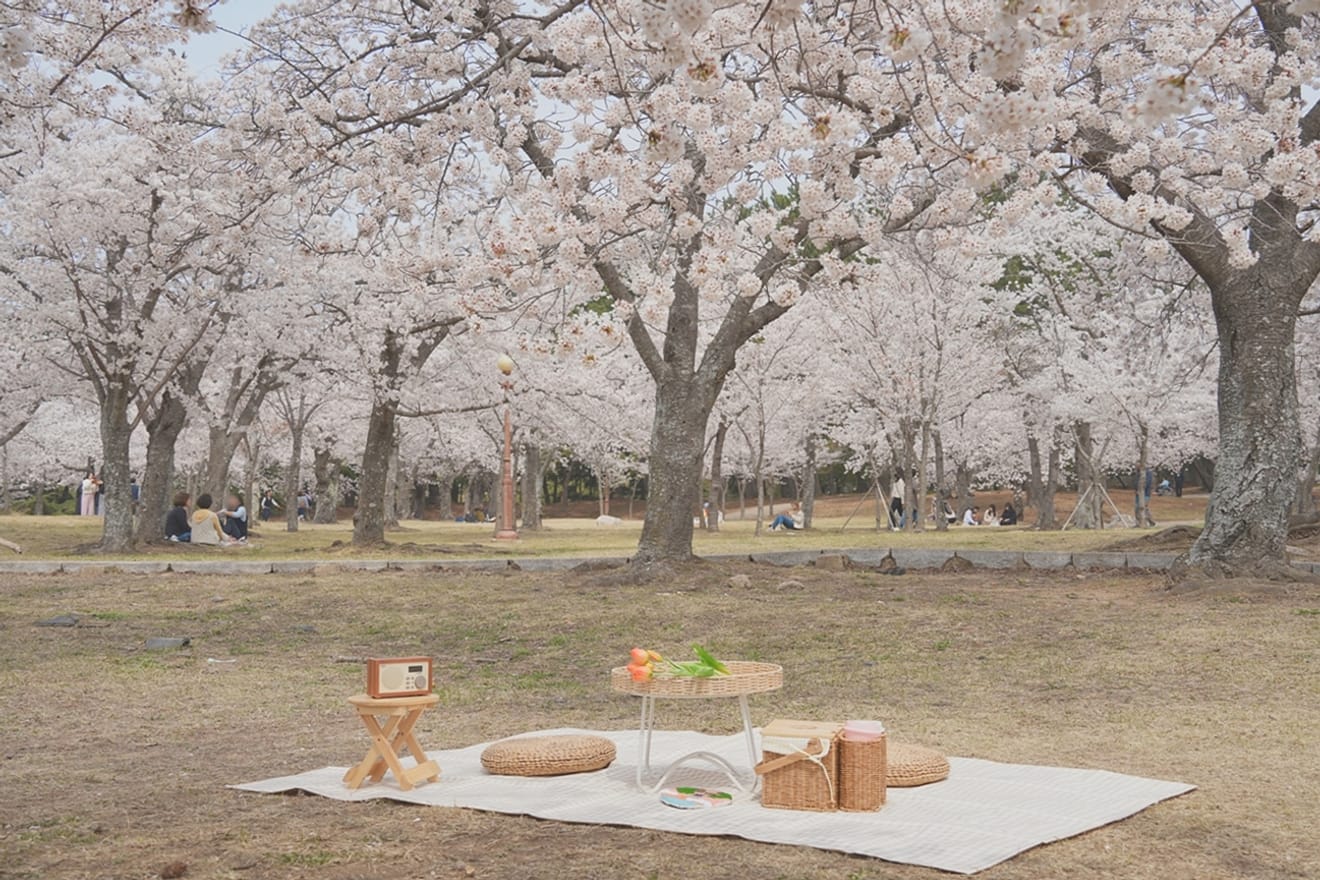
[(369, 529), (678, 439), (220, 455), (1246, 523), (809, 483), (163, 431), (325, 469), (716, 494), (116, 498)]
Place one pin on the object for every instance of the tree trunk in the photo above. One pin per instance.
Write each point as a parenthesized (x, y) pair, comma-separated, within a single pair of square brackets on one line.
[(1035, 474), (293, 475), (1141, 506), (941, 521), (446, 497), (917, 482), (809, 483), (533, 478), (116, 498), (716, 494), (163, 431), (1090, 502), (326, 469), (1246, 522), (420, 489), (1046, 518), (369, 528), (742, 499), (6, 488), (962, 487), (678, 439), (392, 486), (1304, 501)]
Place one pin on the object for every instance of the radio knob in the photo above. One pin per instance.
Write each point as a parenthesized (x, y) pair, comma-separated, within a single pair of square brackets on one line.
[(421, 682)]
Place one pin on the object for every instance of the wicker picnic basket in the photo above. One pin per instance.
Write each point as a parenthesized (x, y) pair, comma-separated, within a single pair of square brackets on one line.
[(861, 774), (745, 677), (806, 779), (907, 766)]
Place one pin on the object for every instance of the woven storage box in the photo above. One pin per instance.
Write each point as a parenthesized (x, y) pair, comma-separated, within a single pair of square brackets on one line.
[(861, 774), (807, 776), (548, 755), (907, 766)]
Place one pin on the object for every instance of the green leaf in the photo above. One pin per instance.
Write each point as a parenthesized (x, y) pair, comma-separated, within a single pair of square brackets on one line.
[(709, 659)]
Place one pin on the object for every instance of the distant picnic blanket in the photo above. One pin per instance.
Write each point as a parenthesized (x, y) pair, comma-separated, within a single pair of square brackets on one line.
[(983, 814)]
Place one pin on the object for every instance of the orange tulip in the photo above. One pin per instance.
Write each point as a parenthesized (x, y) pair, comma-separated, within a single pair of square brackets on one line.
[(639, 672), (640, 656)]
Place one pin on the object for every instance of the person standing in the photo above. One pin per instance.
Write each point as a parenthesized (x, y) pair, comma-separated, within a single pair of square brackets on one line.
[(87, 497), (896, 496), (268, 505)]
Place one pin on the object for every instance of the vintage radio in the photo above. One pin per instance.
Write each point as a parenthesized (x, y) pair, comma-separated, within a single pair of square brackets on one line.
[(398, 677)]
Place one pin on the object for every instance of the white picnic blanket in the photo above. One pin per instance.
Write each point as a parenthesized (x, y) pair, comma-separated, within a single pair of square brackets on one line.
[(983, 814)]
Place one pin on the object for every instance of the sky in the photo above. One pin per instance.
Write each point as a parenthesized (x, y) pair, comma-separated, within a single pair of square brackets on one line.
[(205, 50)]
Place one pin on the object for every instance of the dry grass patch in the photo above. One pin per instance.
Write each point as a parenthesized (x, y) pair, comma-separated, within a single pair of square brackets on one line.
[(115, 759)]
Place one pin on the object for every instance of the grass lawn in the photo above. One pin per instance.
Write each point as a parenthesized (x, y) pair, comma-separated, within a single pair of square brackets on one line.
[(73, 536), (114, 759)]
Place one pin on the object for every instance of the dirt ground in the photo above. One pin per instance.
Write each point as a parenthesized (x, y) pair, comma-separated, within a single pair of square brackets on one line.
[(114, 759)]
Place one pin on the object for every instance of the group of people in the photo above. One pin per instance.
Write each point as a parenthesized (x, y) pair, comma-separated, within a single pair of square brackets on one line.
[(203, 525), (974, 516)]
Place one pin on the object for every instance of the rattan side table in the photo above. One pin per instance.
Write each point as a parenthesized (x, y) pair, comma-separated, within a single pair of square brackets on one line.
[(745, 678)]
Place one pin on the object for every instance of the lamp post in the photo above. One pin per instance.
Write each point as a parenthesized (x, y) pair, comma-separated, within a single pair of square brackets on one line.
[(507, 528)]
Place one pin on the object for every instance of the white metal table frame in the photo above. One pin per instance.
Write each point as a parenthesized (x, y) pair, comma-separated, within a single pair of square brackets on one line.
[(647, 728)]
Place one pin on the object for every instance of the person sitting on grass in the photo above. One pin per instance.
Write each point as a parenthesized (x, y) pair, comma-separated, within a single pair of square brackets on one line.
[(971, 516), (1009, 516), (791, 520), (205, 524), (234, 518), (176, 521), (990, 518)]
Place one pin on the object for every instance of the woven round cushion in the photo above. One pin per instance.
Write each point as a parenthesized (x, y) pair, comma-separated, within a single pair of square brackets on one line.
[(548, 755), (906, 766)]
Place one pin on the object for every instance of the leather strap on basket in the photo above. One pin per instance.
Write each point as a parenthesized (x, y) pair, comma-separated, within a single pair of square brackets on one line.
[(813, 752)]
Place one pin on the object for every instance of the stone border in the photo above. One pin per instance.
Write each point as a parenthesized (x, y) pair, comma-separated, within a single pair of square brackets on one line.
[(912, 558)]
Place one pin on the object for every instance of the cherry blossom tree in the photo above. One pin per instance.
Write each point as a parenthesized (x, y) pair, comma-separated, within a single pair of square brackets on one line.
[(1194, 123)]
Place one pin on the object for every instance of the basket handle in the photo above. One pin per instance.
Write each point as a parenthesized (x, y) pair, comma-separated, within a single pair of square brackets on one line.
[(814, 749)]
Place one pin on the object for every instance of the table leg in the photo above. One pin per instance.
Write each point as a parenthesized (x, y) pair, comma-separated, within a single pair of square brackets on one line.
[(752, 757), (645, 729)]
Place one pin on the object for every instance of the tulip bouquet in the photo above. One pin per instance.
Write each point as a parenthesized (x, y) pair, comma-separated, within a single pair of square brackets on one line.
[(646, 665)]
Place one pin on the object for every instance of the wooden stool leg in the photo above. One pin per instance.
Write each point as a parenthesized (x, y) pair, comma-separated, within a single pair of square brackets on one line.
[(367, 766), (384, 740), (415, 749)]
